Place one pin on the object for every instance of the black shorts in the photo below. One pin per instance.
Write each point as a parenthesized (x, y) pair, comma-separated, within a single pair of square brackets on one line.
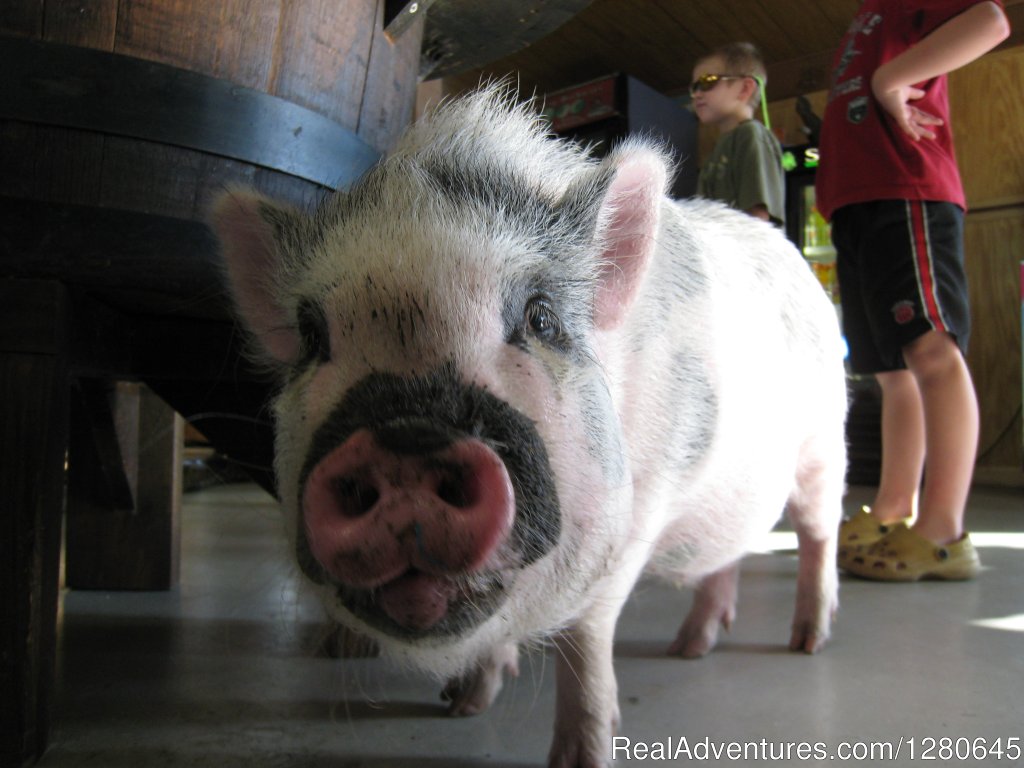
[(901, 274)]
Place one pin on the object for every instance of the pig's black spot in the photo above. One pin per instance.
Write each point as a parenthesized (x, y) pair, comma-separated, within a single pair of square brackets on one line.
[(313, 332), (422, 415), (691, 425), (499, 189), (600, 425)]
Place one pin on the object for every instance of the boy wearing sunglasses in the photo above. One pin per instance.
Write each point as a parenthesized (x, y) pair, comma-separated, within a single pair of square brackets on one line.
[(889, 182), (745, 167)]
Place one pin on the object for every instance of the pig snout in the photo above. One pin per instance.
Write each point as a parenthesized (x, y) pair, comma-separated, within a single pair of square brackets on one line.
[(404, 523)]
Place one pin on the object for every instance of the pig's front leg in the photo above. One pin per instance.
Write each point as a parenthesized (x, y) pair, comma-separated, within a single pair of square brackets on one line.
[(814, 509), (714, 606), (587, 710), (475, 691)]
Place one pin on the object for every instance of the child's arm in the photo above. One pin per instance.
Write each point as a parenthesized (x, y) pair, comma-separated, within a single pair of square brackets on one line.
[(759, 212), (959, 41)]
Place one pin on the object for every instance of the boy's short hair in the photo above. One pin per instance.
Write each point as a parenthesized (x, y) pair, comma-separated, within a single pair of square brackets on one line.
[(743, 60)]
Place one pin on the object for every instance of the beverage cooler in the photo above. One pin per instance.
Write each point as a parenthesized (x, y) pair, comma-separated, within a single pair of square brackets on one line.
[(601, 112), (805, 226)]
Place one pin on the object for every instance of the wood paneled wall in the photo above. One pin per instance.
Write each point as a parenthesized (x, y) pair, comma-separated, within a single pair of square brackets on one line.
[(994, 247), (988, 128)]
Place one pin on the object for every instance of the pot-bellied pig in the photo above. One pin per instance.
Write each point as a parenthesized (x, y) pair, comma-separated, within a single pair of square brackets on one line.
[(513, 377)]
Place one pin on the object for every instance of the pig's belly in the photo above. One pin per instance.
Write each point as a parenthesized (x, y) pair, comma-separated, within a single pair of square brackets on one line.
[(708, 534)]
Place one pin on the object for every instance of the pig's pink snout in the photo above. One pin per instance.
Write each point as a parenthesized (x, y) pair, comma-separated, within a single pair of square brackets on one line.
[(373, 515)]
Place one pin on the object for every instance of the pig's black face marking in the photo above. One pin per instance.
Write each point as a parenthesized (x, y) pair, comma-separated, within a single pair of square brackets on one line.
[(415, 436), (421, 415)]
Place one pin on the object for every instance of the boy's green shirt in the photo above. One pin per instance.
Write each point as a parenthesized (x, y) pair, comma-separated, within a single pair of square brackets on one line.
[(745, 170)]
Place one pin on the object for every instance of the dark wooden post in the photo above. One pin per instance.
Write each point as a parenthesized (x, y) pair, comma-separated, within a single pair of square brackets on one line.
[(33, 437)]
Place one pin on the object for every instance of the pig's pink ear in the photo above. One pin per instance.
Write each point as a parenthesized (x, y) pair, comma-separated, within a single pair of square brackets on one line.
[(628, 229), (247, 226)]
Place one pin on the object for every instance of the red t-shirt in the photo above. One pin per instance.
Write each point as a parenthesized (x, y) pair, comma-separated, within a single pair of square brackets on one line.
[(864, 153)]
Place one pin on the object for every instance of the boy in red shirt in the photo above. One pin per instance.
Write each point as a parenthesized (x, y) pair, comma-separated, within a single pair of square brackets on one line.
[(890, 185)]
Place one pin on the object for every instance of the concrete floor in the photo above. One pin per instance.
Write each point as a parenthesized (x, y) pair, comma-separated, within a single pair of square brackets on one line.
[(224, 671)]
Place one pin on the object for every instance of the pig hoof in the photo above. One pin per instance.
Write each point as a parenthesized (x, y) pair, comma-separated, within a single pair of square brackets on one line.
[(577, 759), (696, 638), (714, 606), (807, 639), (474, 692), (580, 752), (584, 740), (693, 646)]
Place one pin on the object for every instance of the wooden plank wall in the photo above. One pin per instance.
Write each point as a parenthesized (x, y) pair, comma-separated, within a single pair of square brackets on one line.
[(988, 128)]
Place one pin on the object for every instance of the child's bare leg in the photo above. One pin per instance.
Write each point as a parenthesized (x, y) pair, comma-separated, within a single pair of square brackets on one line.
[(951, 429), (903, 446)]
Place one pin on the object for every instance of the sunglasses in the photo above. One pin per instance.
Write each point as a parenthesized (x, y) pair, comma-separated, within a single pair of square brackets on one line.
[(706, 82)]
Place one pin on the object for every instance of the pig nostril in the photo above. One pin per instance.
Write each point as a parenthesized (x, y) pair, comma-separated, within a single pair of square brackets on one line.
[(354, 498), (451, 493), (457, 490)]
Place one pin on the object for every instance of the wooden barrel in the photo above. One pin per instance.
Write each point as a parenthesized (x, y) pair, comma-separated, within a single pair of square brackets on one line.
[(118, 120), (332, 59)]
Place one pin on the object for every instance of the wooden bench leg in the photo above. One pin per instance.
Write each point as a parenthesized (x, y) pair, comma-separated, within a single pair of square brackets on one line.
[(124, 488), (33, 440)]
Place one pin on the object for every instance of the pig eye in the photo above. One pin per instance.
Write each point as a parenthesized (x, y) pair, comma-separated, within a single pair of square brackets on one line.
[(316, 345), (542, 320)]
